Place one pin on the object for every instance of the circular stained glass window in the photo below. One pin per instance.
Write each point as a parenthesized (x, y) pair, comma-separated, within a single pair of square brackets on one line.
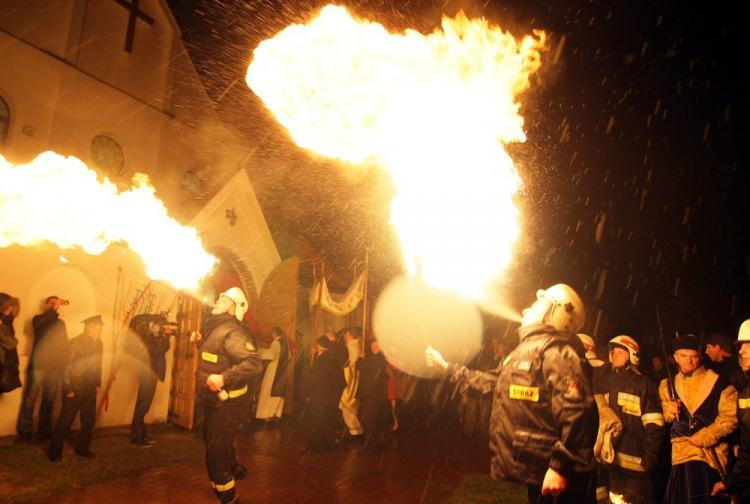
[(107, 155)]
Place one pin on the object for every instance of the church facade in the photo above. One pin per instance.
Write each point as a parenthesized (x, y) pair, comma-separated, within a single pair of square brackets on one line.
[(111, 83)]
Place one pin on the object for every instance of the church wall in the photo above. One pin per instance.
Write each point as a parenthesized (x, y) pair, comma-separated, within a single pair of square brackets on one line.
[(30, 86), (143, 72), (46, 24)]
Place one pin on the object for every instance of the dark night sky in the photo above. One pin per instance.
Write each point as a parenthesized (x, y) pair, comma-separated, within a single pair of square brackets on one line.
[(642, 119)]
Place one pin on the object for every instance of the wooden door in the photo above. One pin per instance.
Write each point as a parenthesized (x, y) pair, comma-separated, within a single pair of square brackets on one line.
[(185, 368)]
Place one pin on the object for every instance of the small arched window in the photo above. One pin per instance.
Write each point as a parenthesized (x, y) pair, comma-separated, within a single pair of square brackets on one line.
[(4, 122)]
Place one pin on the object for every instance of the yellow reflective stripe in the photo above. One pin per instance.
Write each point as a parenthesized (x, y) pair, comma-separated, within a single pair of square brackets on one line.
[(210, 357), (630, 404), (524, 393), (654, 418), (237, 392), (224, 487), (744, 403), (629, 462)]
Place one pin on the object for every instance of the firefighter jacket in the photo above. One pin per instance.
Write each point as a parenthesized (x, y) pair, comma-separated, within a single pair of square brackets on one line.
[(228, 350), (83, 373), (634, 400), (543, 410), (713, 406), (738, 480)]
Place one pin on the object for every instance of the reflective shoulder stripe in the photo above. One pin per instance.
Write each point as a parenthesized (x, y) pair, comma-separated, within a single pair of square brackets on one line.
[(654, 418), (224, 487), (623, 397), (237, 392), (629, 462), (744, 402), (210, 357)]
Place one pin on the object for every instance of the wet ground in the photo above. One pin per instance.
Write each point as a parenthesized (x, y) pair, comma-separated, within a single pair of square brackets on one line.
[(427, 465)]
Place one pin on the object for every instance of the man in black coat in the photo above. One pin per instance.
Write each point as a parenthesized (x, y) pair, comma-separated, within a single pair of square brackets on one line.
[(324, 386), (9, 308), (82, 377), (373, 396), (147, 344), (43, 375)]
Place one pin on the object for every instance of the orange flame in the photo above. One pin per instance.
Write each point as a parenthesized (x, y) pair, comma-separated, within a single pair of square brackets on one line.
[(59, 200), (434, 110)]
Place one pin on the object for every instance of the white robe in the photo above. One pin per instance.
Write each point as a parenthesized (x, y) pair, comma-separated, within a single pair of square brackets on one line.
[(349, 404), (269, 406)]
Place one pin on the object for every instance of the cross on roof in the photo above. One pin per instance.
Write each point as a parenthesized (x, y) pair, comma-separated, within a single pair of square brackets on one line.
[(134, 14)]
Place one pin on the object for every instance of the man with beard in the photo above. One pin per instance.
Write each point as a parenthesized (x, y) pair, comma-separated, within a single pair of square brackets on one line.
[(544, 418), (228, 362), (702, 408)]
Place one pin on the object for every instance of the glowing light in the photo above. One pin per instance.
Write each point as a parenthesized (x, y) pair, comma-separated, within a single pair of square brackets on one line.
[(433, 110), (410, 315), (59, 200)]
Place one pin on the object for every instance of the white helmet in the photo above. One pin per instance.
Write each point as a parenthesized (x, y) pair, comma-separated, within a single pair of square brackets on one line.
[(590, 347), (629, 344), (239, 299), (567, 313), (744, 334)]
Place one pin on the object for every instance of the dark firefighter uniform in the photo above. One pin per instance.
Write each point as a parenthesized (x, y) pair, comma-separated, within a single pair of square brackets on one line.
[(634, 399), (543, 413), (738, 479), (227, 350)]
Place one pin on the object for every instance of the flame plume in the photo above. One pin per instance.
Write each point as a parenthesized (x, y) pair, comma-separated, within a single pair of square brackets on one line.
[(433, 110), (60, 200)]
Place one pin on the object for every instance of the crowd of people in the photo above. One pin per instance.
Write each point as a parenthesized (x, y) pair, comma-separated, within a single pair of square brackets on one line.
[(577, 429), (71, 370), (571, 426)]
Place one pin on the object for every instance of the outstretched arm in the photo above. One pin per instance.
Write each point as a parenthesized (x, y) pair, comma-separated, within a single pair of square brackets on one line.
[(466, 378)]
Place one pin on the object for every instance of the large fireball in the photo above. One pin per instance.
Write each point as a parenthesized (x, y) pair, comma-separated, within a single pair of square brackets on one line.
[(60, 200), (433, 110)]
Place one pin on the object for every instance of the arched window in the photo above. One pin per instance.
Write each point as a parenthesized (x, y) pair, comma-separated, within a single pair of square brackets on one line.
[(4, 121)]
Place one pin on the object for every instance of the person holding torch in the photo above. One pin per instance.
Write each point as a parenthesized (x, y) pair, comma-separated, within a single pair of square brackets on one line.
[(544, 418)]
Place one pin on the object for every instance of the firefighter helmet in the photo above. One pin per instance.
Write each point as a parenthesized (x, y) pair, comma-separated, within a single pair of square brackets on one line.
[(239, 300), (744, 335), (629, 344), (567, 313)]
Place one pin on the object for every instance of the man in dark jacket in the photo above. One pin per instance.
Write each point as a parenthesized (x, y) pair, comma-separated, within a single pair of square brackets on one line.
[(147, 344), (373, 396), (323, 390), (81, 380), (738, 479), (48, 356), (228, 362), (9, 308), (634, 399), (544, 418)]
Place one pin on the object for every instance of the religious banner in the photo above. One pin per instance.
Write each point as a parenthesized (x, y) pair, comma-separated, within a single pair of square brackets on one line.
[(338, 304)]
